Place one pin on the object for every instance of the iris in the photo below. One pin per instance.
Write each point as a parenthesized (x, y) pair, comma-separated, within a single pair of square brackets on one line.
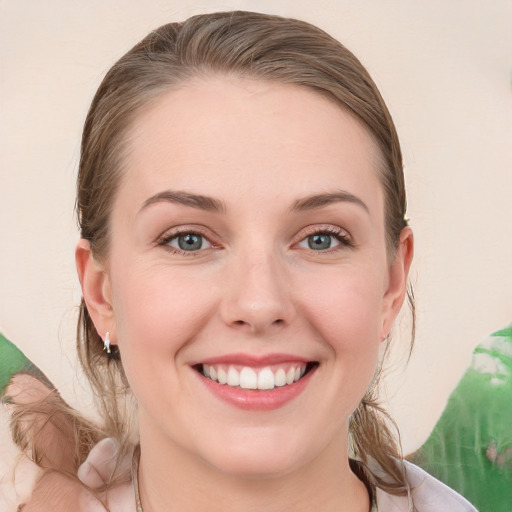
[(190, 242), (319, 241)]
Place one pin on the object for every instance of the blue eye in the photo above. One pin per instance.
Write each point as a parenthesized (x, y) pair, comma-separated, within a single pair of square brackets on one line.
[(323, 241), (320, 242), (189, 242)]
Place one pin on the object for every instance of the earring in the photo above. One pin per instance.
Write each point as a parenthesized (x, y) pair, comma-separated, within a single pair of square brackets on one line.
[(106, 343), (111, 350)]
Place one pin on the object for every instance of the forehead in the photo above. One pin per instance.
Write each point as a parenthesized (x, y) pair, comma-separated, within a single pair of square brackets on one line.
[(222, 134)]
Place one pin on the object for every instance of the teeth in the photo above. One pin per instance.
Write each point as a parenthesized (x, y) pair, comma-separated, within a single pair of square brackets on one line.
[(249, 378), (280, 378), (221, 376), (266, 379), (233, 377)]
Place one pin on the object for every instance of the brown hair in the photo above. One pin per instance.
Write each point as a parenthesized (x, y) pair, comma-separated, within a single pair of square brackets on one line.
[(241, 44)]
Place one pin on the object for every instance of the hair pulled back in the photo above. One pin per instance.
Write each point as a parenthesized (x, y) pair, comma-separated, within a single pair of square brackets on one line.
[(241, 44)]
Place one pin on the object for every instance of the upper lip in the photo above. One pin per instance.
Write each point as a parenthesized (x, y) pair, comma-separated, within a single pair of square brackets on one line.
[(253, 360)]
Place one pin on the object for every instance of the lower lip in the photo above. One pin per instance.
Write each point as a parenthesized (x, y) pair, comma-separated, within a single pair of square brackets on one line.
[(257, 400)]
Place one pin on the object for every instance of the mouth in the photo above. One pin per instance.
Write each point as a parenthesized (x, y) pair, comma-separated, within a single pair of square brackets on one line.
[(263, 378)]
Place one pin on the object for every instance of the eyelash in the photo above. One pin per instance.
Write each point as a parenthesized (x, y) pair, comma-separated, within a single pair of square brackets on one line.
[(169, 237), (344, 239)]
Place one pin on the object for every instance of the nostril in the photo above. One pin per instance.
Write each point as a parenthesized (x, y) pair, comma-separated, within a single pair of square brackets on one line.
[(257, 326)]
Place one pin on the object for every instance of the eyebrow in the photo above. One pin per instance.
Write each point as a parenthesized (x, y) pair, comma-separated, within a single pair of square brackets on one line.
[(187, 199), (320, 200), (215, 205)]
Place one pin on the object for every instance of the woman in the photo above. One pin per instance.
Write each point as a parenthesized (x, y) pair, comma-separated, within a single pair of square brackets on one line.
[(243, 255)]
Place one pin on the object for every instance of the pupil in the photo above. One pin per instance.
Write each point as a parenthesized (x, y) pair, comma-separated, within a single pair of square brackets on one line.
[(190, 242), (319, 242)]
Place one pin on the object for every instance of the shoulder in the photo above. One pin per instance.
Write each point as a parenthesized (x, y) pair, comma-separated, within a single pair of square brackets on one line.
[(428, 494)]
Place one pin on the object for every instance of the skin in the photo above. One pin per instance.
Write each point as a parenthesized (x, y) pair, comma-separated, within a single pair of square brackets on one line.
[(52, 436), (256, 287)]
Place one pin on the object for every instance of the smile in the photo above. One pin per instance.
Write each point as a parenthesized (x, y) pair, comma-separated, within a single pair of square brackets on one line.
[(256, 383), (246, 377)]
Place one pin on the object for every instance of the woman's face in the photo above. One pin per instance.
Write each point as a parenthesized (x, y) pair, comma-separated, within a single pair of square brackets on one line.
[(248, 246)]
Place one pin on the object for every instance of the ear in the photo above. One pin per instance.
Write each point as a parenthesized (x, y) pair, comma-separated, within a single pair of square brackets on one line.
[(397, 285), (96, 289)]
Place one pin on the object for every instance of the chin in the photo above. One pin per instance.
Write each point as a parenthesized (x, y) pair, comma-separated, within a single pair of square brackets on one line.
[(257, 460), (257, 467)]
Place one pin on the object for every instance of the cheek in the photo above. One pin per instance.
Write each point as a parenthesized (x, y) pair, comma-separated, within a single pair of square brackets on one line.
[(150, 300), (156, 314), (346, 307), (344, 312)]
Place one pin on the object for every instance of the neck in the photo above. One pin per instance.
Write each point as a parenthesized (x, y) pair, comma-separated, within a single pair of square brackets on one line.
[(171, 479)]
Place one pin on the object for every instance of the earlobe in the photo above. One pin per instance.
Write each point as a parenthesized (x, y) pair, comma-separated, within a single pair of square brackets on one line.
[(398, 278), (96, 289)]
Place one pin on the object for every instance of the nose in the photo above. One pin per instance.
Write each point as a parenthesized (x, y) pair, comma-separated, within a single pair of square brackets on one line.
[(256, 296)]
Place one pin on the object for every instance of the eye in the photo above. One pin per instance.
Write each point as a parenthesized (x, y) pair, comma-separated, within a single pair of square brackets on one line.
[(188, 242), (326, 239), (319, 242)]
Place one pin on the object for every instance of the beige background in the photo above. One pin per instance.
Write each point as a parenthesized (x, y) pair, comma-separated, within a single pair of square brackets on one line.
[(444, 67)]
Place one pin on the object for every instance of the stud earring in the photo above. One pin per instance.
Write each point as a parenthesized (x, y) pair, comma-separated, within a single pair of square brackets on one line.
[(106, 343)]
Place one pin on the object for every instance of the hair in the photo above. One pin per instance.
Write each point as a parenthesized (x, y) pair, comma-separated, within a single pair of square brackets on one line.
[(247, 45)]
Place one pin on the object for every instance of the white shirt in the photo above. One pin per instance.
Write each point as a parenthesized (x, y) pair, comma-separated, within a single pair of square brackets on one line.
[(428, 494)]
